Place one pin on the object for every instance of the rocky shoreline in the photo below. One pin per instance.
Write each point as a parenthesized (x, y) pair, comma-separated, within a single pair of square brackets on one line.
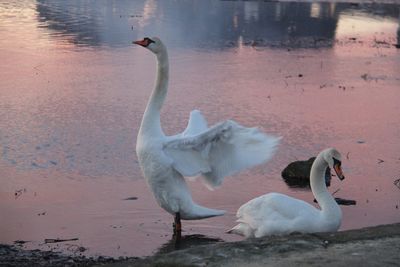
[(372, 246)]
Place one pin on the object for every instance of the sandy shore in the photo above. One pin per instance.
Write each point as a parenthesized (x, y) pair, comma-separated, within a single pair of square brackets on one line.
[(372, 246)]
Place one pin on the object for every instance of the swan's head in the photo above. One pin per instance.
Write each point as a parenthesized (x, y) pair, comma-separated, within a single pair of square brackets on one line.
[(334, 160), (154, 44)]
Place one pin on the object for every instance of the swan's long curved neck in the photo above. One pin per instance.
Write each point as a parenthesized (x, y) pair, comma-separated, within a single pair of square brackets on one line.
[(151, 119), (327, 203)]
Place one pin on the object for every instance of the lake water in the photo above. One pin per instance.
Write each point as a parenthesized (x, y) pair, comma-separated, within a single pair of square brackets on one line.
[(74, 88)]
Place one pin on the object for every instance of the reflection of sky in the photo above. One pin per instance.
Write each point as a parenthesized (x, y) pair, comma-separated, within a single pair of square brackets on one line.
[(353, 25), (200, 23)]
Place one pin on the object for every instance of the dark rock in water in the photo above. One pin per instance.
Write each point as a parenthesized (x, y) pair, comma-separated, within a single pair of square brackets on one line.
[(342, 201), (345, 202), (297, 173)]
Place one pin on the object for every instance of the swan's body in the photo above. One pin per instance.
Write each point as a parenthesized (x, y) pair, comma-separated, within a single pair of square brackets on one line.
[(214, 153), (274, 213)]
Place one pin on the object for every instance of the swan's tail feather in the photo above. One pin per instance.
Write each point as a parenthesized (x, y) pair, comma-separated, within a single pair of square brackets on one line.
[(241, 229), (198, 212), (233, 230)]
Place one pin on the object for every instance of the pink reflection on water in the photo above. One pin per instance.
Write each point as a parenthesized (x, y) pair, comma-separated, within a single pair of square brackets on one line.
[(69, 121)]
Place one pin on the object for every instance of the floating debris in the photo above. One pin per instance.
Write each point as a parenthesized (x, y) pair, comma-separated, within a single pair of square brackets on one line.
[(381, 42), (337, 190), (367, 77), (397, 183), (380, 161), (58, 240), (19, 192), (130, 198), (34, 164)]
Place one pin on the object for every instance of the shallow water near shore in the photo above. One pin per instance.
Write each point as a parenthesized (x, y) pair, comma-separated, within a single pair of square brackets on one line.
[(74, 88)]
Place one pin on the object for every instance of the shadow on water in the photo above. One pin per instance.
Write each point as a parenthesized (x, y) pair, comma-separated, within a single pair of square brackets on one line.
[(204, 24), (187, 241)]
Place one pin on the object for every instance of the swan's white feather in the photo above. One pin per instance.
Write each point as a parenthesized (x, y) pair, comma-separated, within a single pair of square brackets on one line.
[(275, 213), (214, 152), (197, 124), (220, 151)]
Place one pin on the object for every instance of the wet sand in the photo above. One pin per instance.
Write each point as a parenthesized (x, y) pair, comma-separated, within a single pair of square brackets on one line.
[(374, 246)]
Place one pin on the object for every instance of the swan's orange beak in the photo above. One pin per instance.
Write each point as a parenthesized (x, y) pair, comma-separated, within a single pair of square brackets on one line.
[(338, 170), (145, 42)]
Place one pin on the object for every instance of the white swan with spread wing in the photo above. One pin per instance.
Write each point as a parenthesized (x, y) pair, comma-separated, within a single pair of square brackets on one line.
[(214, 153), (274, 213)]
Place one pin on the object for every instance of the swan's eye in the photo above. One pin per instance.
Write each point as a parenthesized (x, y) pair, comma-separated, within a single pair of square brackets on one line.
[(148, 40), (337, 162)]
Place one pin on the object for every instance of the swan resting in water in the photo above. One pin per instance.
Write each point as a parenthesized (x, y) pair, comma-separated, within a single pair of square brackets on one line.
[(214, 153), (275, 214)]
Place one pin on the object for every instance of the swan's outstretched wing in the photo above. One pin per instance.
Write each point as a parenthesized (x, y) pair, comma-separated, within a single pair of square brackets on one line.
[(220, 151), (197, 124)]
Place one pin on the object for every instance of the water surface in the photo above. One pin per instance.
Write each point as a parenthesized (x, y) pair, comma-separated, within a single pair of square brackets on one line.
[(74, 88)]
